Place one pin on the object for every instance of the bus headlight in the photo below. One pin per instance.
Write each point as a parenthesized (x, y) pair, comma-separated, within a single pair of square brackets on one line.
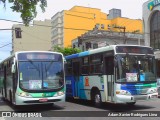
[(122, 92), (155, 90), (60, 93), (152, 90), (24, 94)]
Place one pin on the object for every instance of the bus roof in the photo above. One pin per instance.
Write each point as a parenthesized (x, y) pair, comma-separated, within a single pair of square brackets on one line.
[(15, 54), (98, 50)]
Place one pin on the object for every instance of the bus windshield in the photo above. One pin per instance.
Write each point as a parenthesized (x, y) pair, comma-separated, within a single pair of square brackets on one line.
[(38, 75), (135, 68)]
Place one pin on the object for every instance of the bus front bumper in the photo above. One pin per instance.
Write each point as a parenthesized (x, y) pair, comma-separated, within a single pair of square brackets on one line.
[(134, 98), (29, 100)]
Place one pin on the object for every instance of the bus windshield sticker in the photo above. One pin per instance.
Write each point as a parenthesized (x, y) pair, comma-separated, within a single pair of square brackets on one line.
[(21, 76), (45, 84), (35, 84), (131, 77)]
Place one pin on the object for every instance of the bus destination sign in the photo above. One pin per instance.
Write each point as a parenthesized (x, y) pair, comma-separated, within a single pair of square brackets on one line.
[(134, 49)]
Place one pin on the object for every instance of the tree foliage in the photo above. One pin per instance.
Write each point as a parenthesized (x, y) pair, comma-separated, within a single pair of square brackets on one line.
[(27, 8), (66, 51)]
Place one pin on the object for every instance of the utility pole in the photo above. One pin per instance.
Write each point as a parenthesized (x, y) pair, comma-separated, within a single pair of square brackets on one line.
[(139, 40), (124, 31)]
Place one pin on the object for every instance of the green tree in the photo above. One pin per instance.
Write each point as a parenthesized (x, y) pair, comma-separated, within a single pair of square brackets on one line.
[(66, 51), (27, 8)]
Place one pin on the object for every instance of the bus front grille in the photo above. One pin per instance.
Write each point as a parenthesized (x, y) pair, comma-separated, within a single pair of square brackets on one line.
[(37, 101)]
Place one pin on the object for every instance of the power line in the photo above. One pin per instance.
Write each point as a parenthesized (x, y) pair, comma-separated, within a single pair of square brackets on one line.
[(128, 20), (43, 25), (122, 24), (36, 37), (6, 29), (5, 45), (11, 20)]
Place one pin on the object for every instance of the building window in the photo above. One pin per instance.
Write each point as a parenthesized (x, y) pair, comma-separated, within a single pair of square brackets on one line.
[(18, 32), (155, 30)]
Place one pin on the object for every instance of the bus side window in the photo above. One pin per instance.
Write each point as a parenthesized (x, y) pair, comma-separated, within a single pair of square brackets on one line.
[(85, 66), (96, 64), (109, 65), (68, 68)]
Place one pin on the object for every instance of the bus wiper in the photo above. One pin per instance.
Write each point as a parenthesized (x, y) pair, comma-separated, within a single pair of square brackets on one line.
[(47, 68), (37, 68)]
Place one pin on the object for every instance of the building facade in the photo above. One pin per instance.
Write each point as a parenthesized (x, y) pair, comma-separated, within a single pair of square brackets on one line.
[(151, 23), (57, 31), (69, 24), (35, 37), (100, 38)]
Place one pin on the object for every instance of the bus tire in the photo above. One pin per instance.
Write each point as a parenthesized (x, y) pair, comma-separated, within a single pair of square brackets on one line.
[(131, 103), (97, 99)]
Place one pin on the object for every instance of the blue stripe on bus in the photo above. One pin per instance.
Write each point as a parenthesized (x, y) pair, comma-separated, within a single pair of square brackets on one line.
[(130, 87), (72, 56), (77, 55), (82, 94), (70, 87), (83, 53)]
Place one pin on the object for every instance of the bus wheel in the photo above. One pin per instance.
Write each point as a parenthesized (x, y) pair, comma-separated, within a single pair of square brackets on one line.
[(97, 99), (131, 104)]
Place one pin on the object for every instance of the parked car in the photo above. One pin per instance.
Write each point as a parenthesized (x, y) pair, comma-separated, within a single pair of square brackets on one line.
[(158, 86)]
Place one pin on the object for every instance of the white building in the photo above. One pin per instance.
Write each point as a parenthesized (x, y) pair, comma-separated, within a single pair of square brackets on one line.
[(151, 23), (57, 29), (100, 38)]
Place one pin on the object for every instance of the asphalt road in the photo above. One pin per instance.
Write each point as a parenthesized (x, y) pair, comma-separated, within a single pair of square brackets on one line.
[(84, 110)]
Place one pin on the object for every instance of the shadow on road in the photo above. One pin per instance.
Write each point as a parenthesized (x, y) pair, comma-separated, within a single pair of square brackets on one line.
[(113, 107), (105, 106), (37, 108)]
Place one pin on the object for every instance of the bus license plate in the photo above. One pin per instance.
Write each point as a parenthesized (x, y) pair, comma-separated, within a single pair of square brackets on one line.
[(43, 100)]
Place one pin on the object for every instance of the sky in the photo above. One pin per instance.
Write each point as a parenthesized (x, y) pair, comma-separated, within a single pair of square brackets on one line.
[(129, 8)]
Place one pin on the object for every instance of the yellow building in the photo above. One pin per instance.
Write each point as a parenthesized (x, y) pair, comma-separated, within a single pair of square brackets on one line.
[(69, 24)]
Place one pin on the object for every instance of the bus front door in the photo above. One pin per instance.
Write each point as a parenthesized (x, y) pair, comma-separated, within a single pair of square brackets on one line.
[(76, 76), (109, 72)]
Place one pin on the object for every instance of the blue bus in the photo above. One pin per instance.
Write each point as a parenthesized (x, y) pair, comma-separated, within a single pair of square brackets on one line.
[(115, 74)]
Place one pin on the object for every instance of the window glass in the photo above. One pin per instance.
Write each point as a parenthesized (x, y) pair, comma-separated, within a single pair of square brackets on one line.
[(85, 61), (96, 59), (95, 69), (69, 67), (96, 64), (85, 66), (155, 30)]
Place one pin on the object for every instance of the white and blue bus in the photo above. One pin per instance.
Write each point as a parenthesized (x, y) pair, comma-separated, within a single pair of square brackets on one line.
[(115, 74), (33, 77)]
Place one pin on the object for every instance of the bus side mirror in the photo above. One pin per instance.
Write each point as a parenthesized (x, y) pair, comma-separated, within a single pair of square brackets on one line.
[(65, 62), (14, 66)]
